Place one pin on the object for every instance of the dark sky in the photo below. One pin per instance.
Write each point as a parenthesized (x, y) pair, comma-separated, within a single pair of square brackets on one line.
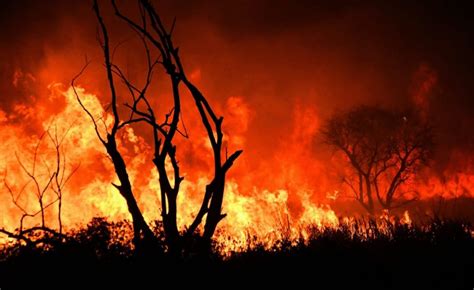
[(276, 54)]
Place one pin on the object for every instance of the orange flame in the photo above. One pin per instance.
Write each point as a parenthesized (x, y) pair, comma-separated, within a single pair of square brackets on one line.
[(267, 213)]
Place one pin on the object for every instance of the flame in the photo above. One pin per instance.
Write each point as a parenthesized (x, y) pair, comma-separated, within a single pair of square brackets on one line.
[(280, 211), (406, 219), (274, 87), (90, 192)]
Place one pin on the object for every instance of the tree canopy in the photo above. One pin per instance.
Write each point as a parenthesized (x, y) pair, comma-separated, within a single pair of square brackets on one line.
[(384, 148)]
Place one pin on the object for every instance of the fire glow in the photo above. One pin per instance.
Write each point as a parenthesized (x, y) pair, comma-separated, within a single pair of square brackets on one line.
[(290, 186)]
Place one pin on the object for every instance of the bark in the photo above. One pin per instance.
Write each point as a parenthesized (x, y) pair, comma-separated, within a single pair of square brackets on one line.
[(140, 226)]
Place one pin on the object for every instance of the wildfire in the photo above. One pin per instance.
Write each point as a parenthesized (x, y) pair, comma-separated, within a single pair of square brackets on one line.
[(57, 173), (268, 214), (91, 194)]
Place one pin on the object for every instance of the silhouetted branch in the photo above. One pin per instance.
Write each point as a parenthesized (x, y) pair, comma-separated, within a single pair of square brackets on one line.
[(382, 147), (151, 30), (55, 180), (142, 232)]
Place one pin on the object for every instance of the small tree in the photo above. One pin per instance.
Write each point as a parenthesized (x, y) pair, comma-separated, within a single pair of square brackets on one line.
[(46, 181), (384, 149), (156, 37)]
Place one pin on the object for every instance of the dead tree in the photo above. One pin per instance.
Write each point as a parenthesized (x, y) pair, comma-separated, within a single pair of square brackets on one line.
[(142, 232), (152, 29), (47, 186), (156, 37), (384, 150), (58, 170)]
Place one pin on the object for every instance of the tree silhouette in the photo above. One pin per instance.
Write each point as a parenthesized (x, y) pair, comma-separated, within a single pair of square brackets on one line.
[(156, 38), (46, 180), (384, 148)]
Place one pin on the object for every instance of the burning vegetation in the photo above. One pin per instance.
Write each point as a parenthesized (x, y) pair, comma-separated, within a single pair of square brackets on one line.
[(134, 160)]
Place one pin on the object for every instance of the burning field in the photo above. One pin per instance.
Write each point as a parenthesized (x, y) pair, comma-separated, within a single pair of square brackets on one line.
[(236, 137)]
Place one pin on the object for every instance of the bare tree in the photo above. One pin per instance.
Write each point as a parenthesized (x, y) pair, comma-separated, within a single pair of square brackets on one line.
[(384, 148), (142, 232), (59, 171), (46, 182), (151, 30)]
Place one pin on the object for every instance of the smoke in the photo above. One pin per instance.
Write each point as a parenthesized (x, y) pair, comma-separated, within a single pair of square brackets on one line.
[(276, 70)]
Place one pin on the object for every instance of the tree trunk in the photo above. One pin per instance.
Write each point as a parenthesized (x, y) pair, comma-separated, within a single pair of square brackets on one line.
[(125, 188), (169, 210), (214, 216), (171, 229), (370, 201)]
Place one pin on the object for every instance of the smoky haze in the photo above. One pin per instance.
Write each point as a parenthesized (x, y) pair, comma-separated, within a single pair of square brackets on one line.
[(284, 62)]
